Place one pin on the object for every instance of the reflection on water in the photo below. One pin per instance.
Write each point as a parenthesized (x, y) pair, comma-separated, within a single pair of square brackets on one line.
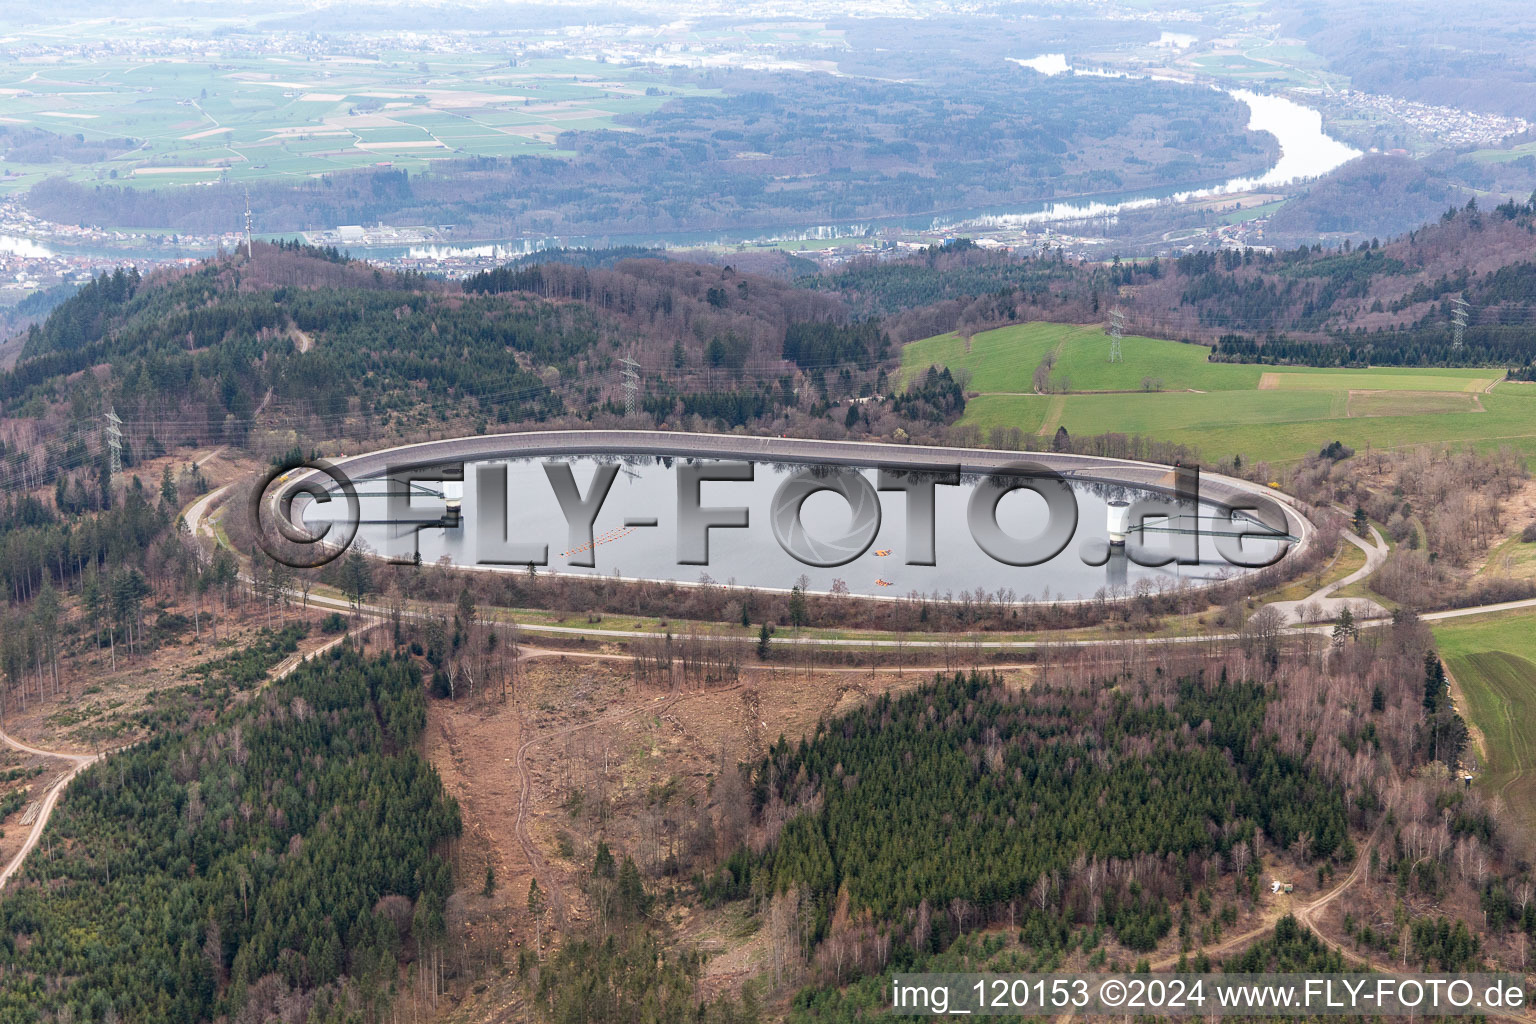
[(489, 251), (1046, 63), (647, 489), (15, 245), (1117, 570)]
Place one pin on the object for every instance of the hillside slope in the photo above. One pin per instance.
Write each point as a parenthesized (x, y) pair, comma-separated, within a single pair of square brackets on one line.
[(302, 343), (1383, 303)]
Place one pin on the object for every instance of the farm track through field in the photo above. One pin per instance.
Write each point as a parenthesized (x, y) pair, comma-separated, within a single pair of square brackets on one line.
[(1052, 418), (1501, 675)]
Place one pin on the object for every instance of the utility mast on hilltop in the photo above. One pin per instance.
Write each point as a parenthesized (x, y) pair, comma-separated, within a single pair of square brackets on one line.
[(247, 223), (1116, 332), (631, 375), (1458, 322)]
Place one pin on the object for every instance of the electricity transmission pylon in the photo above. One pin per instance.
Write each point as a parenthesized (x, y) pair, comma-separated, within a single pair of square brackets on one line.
[(1458, 321), (114, 441), (1116, 332), (631, 375)]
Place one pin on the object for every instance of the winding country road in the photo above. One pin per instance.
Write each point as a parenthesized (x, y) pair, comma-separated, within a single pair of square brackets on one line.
[(1325, 605)]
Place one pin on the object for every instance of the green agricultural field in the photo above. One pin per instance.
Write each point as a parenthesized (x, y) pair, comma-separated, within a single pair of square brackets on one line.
[(1232, 63), (1174, 416), (1405, 403), (1277, 426), (1282, 415), (1263, 60), (1004, 361), (1490, 657), (1245, 71), (1296, 55), (275, 115), (1148, 364)]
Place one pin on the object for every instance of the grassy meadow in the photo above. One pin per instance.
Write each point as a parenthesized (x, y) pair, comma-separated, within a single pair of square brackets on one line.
[(1170, 390), (1491, 658)]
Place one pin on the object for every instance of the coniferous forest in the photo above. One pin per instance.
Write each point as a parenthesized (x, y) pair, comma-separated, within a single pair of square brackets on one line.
[(287, 855), (957, 800)]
